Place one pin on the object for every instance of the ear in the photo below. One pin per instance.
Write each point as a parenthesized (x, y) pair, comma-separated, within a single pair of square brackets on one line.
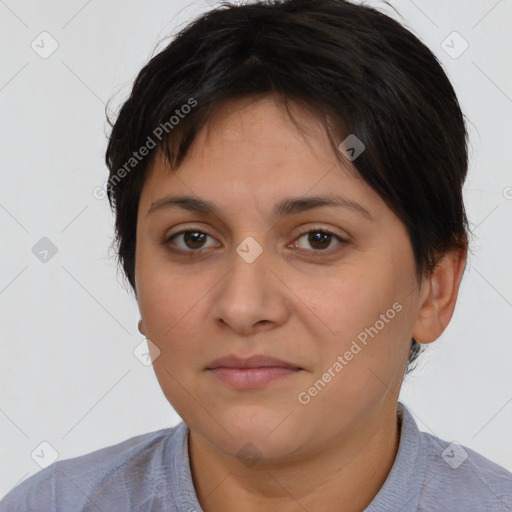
[(438, 296), (141, 327)]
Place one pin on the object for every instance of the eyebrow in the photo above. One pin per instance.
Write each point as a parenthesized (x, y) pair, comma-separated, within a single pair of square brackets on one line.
[(284, 208)]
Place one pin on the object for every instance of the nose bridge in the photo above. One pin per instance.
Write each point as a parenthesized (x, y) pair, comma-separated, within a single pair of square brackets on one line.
[(250, 293), (249, 265), (250, 249)]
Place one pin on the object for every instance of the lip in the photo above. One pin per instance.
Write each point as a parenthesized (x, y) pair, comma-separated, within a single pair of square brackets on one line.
[(256, 361), (253, 372)]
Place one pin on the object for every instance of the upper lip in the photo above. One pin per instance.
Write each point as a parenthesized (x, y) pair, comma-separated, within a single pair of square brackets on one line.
[(256, 361)]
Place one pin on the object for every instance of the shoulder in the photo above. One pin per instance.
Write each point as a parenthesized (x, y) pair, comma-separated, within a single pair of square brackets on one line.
[(430, 473), (461, 478), (72, 484)]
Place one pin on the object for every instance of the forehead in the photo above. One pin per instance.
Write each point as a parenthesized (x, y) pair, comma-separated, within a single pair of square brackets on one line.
[(252, 152)]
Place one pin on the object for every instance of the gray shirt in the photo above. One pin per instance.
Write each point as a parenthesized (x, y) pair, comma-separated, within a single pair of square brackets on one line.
[(151, 472)]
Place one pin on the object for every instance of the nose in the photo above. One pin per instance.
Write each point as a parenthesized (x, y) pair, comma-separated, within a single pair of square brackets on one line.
[(252, 297)]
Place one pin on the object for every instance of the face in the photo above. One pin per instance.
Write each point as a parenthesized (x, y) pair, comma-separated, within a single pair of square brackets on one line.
[(331, 290)]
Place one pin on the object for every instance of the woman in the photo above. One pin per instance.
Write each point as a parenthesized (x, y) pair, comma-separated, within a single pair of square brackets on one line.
[(287, 184)]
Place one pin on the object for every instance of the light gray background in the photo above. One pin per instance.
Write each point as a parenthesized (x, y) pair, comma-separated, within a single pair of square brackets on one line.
[(69, 326)]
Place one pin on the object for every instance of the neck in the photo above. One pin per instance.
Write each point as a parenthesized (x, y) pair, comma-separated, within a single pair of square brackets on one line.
[(345, 475)]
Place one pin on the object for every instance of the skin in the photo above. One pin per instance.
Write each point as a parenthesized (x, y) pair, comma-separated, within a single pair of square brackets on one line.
[(336, 451)]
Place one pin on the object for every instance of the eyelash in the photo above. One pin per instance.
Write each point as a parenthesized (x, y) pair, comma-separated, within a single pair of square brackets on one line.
[(315, 253)]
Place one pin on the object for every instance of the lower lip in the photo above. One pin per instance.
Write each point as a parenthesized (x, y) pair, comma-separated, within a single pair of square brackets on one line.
[(247, 378)]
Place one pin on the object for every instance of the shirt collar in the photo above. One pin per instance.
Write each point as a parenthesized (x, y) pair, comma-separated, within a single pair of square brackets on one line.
[(402, 488)]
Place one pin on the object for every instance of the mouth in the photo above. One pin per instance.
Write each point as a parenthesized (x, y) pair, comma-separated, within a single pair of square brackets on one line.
[(253, 372), (256, 361)]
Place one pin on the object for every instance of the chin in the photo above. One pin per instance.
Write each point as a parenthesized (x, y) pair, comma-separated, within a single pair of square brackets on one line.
[(255, 432)]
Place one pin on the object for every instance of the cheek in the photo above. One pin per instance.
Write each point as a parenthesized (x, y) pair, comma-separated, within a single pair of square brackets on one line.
[(169, 305), (359, 315), (167, 295), (341, 304), (170, 308)]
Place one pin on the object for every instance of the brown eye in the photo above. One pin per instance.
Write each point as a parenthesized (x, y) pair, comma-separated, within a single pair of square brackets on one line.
[(319, 239), (192, 240)]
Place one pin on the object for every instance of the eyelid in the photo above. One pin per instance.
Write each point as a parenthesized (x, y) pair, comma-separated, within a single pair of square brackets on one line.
[(323, 229), (327, 252), (169, 238)]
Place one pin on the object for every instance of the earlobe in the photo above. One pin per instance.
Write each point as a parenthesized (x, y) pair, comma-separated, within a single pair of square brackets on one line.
[(439, 296), (141, 327)]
